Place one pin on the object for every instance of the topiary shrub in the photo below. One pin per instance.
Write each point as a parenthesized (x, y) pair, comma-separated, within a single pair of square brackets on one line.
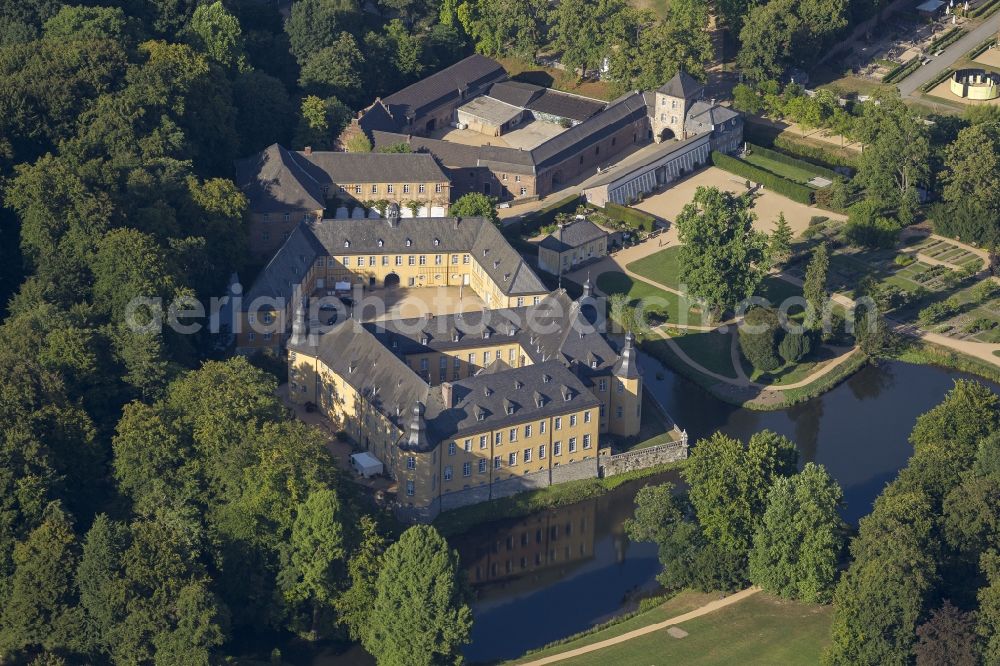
[(758, 336), (794, 346)]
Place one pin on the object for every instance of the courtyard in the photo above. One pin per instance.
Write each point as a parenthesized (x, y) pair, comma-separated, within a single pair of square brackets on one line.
[(407, 303), (528, 136)]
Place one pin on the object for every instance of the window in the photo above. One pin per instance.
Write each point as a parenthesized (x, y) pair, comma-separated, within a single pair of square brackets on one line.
[(572, 444), (527, 455), (411, 260), (496, 462), (527, 430), (437, 259), (541, 427), (422, 261), (520, 301), (467, 469), (572, 420), (498, 438), (618, 412), (558, 423), (557, 448), (347, 262), (486, 357), (411, 462), (285, 217), (472, 358), (385, 259), (374, 189), (503, 177), (399, 260), (437, 188), (465, 259), (512, 459), (512, 435), (482, 465), (447, 473), (517, 179), (524, 191), (541, 452), (423, 365), (410, 489), (454, 259), (410, 282), (602, 385), (451, 448), (406, 189), (620, 387), (586, 441), (586, 416), (421, 188)]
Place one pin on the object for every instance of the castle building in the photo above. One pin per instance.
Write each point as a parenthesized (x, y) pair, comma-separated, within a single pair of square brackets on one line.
[(287, 187), (382, 254), (571, 245), (469, 407)]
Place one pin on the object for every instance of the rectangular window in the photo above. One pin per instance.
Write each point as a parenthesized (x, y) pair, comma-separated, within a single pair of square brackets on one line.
[(482, 465), (357, 189), (586, 441), (541, 452), (586, 416), (385, 260), (572, 444), (618, 412), (472, 358), (406, 189), (557, 448), (572, 420), (390, 188), (437, 259), (524, 191), (517, 179), (486, 357), (465, 259), (527, 455), (619, 386), (411, 462), (527, 430), (467, 469), (451, 448), (346, 262), (498, 438), (399, 261), (496, 462), (558, 423), (437, 188), (447, 473), (421, 188), (423, 260), (410, 489), (541, 427), (374, 189), (513, 434), (454, 259), (512, 459), (468, 445), (411, 260)]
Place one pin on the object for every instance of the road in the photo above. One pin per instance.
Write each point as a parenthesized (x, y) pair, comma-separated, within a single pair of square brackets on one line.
[(912, 83)]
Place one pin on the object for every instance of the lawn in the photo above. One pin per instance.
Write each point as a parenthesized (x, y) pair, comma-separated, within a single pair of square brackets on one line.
[(654, 301), (710, 349), (759, 630), (663, 267), (800, 173)]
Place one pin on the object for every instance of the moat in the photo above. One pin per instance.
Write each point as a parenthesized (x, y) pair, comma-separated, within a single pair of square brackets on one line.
[(859, 431)]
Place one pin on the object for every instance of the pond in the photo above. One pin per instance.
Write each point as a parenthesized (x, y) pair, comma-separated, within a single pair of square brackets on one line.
[(858, 430)]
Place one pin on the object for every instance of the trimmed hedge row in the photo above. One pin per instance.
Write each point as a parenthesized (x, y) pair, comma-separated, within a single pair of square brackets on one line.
[(930, 85), (985, 9), (783, 186), (794, 161), (902, 70), (947, 39), (636, 219), (813, 154), (982, 47)]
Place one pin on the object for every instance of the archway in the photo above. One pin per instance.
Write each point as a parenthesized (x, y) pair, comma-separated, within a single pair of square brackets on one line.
[(391, 281), (666, 134)]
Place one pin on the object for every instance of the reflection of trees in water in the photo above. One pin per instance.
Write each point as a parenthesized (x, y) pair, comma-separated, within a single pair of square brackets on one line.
[(870, 381), (806, 416)]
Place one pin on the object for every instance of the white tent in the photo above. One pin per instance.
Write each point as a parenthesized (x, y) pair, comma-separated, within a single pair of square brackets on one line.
[(366, 464)]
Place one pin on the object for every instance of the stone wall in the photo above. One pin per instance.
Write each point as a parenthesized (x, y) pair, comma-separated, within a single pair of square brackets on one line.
[(612, 465)]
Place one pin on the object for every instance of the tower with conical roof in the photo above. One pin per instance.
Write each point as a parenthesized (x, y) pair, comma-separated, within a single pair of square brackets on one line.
[(626, 392), (673, 100)]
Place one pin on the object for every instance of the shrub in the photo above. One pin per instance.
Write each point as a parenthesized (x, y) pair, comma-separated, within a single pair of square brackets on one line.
[(984, 291), (981, 324), (794, 346), (547, 214), (783, 186), (760, 346), (903, 259), (964, 220), (631, 217), (936, 312), (817, 219)]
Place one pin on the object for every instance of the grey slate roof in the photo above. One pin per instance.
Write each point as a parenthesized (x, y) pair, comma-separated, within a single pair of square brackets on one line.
[(274, 181), (287, 268), (620, 113), (576, 233), (448, 84), (458, 155), (565, 105), (704, 116), (517, 93), (327, 167), (683, 85)]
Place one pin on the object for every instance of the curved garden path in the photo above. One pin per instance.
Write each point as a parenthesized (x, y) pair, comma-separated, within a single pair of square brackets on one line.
[(710, 607)]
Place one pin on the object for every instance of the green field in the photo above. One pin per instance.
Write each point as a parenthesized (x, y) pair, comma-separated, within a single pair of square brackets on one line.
[(653, 300), (710, 349), (759, 630), (663, 266)]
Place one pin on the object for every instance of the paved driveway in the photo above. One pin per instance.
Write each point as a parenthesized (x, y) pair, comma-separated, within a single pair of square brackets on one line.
[(912, 83)]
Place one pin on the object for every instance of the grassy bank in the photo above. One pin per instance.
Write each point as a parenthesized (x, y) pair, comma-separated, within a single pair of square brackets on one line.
[(928, 353), (465, 518)]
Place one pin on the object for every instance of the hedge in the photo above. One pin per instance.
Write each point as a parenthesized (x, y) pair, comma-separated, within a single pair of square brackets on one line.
[(902, 71), (783, 186), (947, 39), (984, 9), (531, 223), (930, 85), (982, 47), (636, 219), (795, 162)]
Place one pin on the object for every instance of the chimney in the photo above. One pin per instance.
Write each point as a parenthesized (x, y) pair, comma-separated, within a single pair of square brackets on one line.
[(446, 395), (308, 150)]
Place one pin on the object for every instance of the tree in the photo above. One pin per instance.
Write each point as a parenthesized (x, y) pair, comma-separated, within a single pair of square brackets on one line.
[(758, 336), (102, 591), (358, 143), (317, 555), (814, 287), (798, 543), (86, 23), (988, 621), (313, 25), (972, 164), (40, 611), (881, 596), (499, 27), (730, 481), (354, 606), (767, 39), (780, 247), (896, 153), (947, 637), (335, 71), (794, 346), (401, 147), (475, 204), (321, 122), (868, 226), (723, 258), (218, 34), (420, 615)]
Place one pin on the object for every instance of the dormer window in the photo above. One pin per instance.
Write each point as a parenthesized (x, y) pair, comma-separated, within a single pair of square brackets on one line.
[(506, 277), (486, 391), (510, 410), (455, 336), (480, 415), (408, 242), (437, 241), (518, 384), (546, 379), (347, 243), (381, 242), (496, 263), (593, 363), (486, 333)]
